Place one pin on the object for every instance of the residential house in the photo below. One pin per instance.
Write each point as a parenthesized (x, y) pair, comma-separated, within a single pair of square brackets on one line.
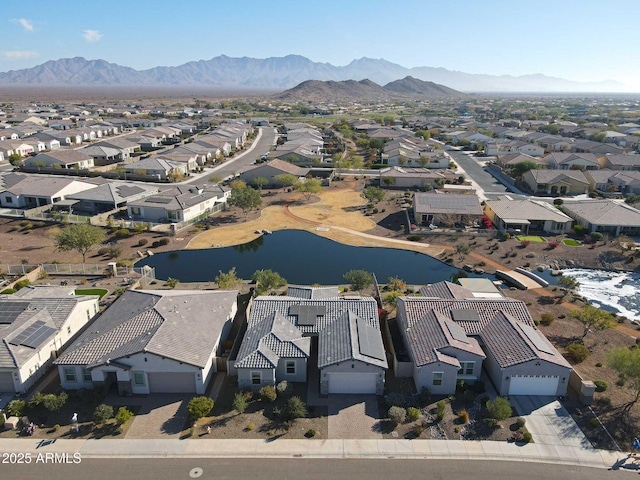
[(18, 147), (607, 182), (158, 168), (109, 196), (31, 191), (179, 204), (282, 330), (35, 323), (510, 160), (572, 161), (451, 337), (160, 341), (447, 209), (272, 169), (103, 155), (556, 182), (65, 159), (621, 162), (403, 177), (605, 216), (527, 216), (301, 155)]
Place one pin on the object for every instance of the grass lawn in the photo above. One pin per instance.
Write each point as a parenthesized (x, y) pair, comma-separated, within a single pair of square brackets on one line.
[(531, 238), (101, 292), (570, 242)]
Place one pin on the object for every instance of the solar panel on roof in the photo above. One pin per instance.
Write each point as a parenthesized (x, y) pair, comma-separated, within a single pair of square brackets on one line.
[(464, 315), (9, 311), (38, 337), (535, 338), (456, 332), (307, 314), (369, 340), (26, 333)]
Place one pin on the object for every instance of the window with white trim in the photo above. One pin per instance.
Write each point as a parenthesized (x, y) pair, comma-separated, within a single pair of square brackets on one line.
[(138, 378), (437, 378), (256, 378), (291, 367), (86, 375)]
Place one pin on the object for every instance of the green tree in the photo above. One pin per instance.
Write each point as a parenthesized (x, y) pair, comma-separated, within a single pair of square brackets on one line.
[(391, 299), (626, 363), (388, 181), (200, 407), (295, 408), (229, 280), (568, 281), (593, 319), (396, 284), (80, 237), (358, 279), (259, 182), (423, 161), (54, 402), (172, 282), (245, 198), (15, 408), (373, 194), (102, 413), (425, 134), (240, 402), (499, 409), (267, 280), (123, 415), (309, 187), (521, 168), (286, 179), (15, 160)]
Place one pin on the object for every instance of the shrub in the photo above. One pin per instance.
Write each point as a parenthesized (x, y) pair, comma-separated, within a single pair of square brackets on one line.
[(414, 238), (142, 242), (601, 385), (36, 400), (163, 241), (520, 422), (546, 319), (599, 364), (200, 407), (525, 243), (284, 388), (463, 416), (295, 408), (56, 427), (507, 236), (15, 408), (172, 282), (394, 399), (8, 291), (499, 409), (577, 352), (417, 430), (526, 435), (553, 244), (596, 236), (397, 415), (413, 414), (605, 401), (268, 393), (620, 382), (22, 284), (440, 406), (240, 402), (55, 402), (593, 422), (102, 413), (122, 233), (251, 426), (103, 251), (310, 433), (123, 415)]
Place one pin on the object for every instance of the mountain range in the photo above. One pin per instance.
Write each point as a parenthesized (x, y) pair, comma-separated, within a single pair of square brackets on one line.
[(365, 91), (280, 73)]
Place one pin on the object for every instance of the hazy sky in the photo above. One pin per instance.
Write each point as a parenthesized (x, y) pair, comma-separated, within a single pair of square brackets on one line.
[(583, 40)]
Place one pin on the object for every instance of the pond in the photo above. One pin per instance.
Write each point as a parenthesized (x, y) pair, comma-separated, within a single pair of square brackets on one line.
[(301, 258)]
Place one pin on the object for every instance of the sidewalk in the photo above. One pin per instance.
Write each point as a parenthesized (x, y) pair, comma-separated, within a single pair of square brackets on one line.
[(282, 448)]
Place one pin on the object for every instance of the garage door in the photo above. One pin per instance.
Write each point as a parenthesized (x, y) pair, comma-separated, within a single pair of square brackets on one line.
[(352, 382), (533, 385), (6, 382), (172, 382)]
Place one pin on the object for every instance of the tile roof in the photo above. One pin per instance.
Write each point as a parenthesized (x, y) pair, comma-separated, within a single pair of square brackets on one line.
[(511, 344), (183, 325), (115, 192), (312, 293), (447, 203), (554, 176), (445, 290), (604, 212), (527, 209)]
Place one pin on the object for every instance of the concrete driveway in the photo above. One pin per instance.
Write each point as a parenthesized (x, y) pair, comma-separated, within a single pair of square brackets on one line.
[(353, 416), (160, 415), (549, 422)]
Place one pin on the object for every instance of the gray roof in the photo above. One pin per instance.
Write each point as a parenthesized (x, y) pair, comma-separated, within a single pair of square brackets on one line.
[(20, 184), (527, 209), (429, 335), (312, 293), (624, 160), (483, 309), (183, 325), (180, 197), (459, 204), (114, 192), (153, 164), (270, 339), (445, 290), (604, 212), (101, 151), (511, 342), (51, 308), (554, 176)]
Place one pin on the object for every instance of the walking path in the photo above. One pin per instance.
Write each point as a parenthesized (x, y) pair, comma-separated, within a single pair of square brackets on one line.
[(360, 448)]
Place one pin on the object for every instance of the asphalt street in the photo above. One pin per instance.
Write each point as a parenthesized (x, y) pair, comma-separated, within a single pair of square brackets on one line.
[(474, 170), (312, 469), (232, 166)]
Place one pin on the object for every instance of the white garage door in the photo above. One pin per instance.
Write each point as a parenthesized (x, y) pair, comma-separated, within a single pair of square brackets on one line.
[(352, 382), (172, 382), (6, 382), (533, 385)]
